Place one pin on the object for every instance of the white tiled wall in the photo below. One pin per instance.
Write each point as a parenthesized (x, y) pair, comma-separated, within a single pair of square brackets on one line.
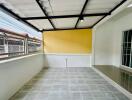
[(67, 60)]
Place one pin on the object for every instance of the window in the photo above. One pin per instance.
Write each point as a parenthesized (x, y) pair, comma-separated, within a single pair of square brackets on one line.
[(127, 49)]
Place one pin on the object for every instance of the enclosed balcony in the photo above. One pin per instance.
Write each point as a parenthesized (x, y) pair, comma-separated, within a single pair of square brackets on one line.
[(65, 50)]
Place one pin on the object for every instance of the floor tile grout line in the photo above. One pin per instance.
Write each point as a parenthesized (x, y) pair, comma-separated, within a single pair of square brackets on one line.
[(69, 73)]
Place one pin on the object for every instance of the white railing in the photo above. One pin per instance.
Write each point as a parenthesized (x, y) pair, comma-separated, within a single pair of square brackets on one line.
[(2, 49), (15, 48), (11, 50)]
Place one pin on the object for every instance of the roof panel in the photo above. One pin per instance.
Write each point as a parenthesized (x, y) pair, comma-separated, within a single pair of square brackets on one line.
[(64, 7), (27, 7), (101, 10), (89, 21), (65, 22), (30, 8), (41, 24), (101, 6), (9, 6), (72, 12)]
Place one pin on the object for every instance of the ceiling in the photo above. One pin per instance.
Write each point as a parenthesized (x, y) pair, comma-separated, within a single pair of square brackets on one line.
[(49, 15)]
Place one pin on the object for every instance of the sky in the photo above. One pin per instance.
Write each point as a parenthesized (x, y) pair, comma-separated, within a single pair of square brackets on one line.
[(9, 23)]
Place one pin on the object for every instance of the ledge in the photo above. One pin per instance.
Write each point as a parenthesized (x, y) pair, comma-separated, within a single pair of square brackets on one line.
[(66, 54), (17, 58)]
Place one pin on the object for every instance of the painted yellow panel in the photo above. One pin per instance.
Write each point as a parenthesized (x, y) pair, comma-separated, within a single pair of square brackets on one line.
[(68, 41)]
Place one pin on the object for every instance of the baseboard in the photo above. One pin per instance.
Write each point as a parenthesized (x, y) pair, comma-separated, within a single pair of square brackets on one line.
[(121, 89)]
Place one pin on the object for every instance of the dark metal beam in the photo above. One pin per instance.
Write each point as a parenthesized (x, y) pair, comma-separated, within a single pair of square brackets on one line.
[(98, 21), (122, 2), (85, 4), (66, 29), (45, 13), (17, 17), (65, 16)]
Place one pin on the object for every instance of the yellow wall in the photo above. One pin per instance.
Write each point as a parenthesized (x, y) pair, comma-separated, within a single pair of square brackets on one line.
[(68, 41)]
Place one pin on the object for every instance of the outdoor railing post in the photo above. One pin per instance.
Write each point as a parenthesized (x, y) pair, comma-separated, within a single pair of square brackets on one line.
[(26, 44)]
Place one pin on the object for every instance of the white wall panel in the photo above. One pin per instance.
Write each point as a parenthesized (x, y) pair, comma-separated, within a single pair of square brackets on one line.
[(79, 61), (67, 60)]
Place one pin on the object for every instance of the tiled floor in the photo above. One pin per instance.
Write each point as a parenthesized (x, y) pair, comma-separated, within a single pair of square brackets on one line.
[(68, 84)]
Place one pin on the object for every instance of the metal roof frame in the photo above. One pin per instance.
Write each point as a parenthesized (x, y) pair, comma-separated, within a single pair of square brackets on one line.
[(46, 16), (66, 29), (44, 11), (65, 16), (122, 2), (84, 6), (5, 9)]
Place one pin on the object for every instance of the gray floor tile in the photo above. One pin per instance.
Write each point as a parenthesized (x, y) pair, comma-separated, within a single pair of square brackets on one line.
[(68, 84)]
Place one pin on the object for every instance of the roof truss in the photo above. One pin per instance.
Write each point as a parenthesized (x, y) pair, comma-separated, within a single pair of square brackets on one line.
[(84, 7), (65, 16), (50, 18), (17, 17), (45, 13)]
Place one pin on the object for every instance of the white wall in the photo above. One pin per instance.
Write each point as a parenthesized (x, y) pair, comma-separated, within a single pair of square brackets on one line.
[(103, 45), (14, 73), (108, 37), (67, 60)]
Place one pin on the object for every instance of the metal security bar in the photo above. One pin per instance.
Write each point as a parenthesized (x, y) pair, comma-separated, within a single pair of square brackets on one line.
[(127, 49), (13, 44), (17, 46), (34, 45)]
